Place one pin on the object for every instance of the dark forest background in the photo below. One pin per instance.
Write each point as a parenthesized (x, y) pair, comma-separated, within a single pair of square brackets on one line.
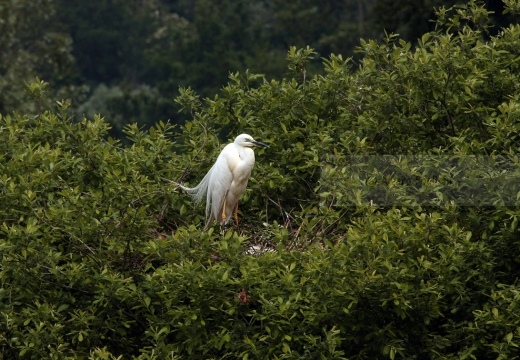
[(126, 59)]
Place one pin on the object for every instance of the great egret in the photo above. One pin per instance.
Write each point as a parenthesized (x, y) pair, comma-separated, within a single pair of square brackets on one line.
[(226, 181)]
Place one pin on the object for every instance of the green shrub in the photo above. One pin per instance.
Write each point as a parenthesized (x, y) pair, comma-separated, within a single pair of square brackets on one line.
[(370, 229)]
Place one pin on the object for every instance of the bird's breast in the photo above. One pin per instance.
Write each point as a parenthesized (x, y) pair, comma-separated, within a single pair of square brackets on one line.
[(243, 168)]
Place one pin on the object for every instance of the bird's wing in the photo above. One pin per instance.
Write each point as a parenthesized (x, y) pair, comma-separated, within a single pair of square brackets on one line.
[(220, 181)]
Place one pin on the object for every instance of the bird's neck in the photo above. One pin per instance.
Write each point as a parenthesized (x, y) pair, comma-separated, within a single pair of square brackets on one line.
[(247, 155)]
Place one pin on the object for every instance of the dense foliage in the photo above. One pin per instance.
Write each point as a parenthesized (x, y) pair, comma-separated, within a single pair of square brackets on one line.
[(348, 248)]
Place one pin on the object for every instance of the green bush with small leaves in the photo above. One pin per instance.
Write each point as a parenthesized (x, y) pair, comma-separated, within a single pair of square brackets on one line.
[(381, 223)]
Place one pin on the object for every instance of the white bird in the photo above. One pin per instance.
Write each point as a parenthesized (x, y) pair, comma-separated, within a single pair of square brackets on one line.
[(227, 180)]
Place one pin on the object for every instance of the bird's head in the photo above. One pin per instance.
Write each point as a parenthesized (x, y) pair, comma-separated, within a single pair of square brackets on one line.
[(247, 140)]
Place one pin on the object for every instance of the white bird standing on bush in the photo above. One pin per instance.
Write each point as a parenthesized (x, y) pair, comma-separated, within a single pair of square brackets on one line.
[(227, 180)]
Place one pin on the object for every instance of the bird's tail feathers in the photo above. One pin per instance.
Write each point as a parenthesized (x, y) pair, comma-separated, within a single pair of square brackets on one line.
[(198, 193)]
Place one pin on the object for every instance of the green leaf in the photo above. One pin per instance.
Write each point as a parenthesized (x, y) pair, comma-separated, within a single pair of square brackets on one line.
[(495, 312), (225, 275)]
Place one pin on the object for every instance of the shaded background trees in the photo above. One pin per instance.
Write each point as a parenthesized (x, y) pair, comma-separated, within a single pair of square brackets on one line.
[(30, 46), (127, 59)]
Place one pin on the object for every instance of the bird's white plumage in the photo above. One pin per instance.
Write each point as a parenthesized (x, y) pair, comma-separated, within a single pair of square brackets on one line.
[(227, 179)]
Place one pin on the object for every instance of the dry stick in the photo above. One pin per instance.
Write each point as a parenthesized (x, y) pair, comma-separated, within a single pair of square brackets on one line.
[(266, 214), (163, 210), (298, 231), (287, 222), (160, 219), (280, 207)]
